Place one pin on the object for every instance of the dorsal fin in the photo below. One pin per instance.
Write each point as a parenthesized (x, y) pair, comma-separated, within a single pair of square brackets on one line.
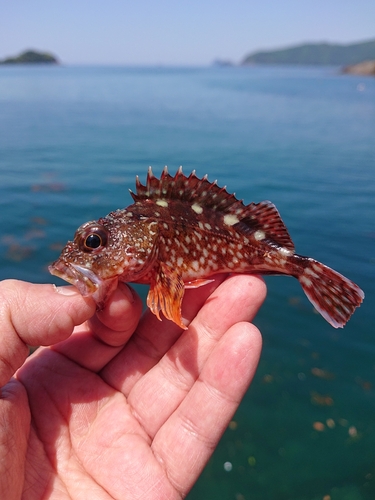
[(256, 216), (264, 216), (190, 189)]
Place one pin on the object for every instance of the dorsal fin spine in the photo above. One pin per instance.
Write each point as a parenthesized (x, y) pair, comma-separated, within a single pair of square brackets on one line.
[(209, 195)]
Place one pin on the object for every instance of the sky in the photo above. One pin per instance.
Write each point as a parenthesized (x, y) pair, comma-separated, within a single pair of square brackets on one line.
[(176, 32)]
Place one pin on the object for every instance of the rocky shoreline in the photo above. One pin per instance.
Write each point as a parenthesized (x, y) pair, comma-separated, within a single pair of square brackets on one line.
[(365, 68)]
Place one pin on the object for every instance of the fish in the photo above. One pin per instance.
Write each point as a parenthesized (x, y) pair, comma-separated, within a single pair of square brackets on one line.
[(181, 231)]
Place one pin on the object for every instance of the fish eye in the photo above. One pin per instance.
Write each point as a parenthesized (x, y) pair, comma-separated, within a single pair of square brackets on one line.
[(93, 241), (93, 238)]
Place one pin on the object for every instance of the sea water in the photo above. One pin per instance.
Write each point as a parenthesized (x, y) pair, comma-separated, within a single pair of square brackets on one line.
[(72, 140)]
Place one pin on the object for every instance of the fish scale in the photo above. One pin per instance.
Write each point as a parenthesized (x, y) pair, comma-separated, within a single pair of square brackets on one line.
[(179, 232)]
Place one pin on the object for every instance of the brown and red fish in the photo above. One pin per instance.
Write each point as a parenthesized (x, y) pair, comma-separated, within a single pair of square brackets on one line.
[(178, 233)]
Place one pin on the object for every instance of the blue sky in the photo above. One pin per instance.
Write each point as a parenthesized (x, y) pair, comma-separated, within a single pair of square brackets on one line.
[(176, 32)]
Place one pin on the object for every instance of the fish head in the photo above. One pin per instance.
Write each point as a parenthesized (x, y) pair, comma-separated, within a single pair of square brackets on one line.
[(99, 254)]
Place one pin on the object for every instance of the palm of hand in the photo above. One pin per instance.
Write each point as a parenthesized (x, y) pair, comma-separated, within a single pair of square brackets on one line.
[(123, 412)]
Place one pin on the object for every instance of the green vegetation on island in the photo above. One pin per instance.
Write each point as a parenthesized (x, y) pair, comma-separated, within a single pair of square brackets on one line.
[(31, 57), (316, 53)]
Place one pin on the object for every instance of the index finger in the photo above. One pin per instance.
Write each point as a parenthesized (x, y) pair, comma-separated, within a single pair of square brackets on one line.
[(97, 341), (36, 315)]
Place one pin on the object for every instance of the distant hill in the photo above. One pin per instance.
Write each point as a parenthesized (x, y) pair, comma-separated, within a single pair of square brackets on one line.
[(31, 56), (316, 53)]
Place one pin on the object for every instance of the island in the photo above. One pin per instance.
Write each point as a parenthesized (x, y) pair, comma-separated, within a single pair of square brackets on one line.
[(31, 57), (316, 54)]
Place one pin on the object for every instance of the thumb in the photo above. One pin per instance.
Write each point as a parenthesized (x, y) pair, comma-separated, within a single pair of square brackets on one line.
[(36, 315)]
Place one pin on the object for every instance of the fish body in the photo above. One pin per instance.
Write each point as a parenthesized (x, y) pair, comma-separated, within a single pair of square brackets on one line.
[(180, 231)]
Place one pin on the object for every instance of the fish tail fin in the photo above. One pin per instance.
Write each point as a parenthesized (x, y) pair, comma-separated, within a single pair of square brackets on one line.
[(333, 295)]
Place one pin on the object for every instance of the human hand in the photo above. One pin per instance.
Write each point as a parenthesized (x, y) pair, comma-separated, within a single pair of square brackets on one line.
[(113, 409)]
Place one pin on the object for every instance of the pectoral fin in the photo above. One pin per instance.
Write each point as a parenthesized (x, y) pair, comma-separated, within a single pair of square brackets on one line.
[(197, 283), (165, 295)]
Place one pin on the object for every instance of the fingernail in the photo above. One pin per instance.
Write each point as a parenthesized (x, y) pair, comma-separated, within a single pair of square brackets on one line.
[(68, 291)]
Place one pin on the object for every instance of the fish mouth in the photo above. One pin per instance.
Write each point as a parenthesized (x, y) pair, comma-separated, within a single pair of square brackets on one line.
[(86, 281)]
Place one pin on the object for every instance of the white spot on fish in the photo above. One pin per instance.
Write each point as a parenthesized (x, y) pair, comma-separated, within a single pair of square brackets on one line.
[(197, 208), (180, 261), (305, 281), (230, 220), (285, 251), (162, 203), (316, 267), (195, 265), (310, 272), (259, 235)]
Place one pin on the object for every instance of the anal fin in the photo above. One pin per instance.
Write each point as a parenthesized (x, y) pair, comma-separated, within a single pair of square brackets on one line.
[(166, 293)]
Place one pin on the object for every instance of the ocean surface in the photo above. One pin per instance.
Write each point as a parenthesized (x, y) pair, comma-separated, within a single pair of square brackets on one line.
[(72, 140)]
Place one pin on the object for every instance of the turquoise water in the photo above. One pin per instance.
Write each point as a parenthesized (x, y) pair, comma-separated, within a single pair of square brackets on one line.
[(72, 140)]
